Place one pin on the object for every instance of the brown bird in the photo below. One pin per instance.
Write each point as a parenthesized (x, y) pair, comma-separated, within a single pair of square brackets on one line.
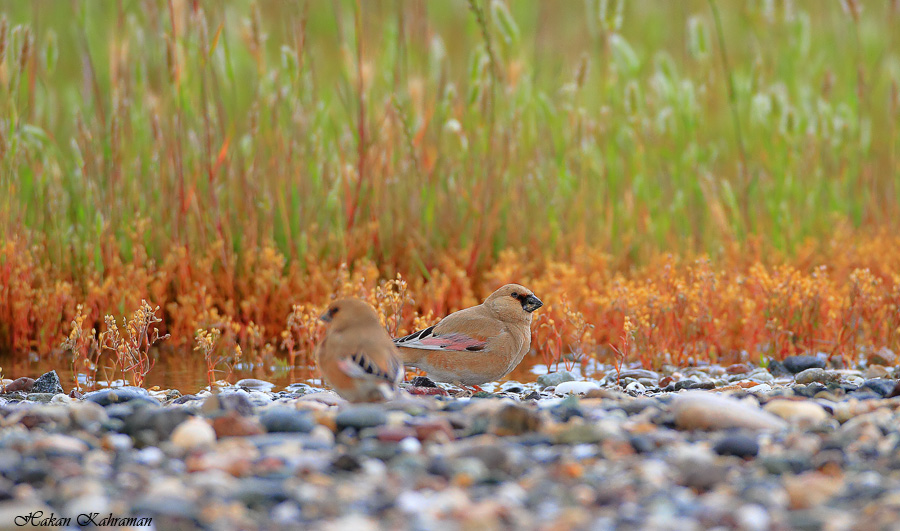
[(357, 357), (478, 344)]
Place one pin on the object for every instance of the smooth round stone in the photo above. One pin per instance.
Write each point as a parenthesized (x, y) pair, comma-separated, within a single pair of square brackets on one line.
[(259, 492), (635, 387), (555, 378), (880, 386), (238, 402), (360, 417), (40, 398), (800, 412), (149, 456), (300, 388), (58, 443), (877, 371), (193, 433), (151, 425), (23, 384), (798, 364), (87, 414), (777, 369), (105, 397), (285, 419), (575, 388), (753, 517), (738, 445), (883, 356), (410, 445), (638, 373), (738, 368), (255, 384), (761, 376), (814, 375), (761, 388), (260, 398), (708, 411)]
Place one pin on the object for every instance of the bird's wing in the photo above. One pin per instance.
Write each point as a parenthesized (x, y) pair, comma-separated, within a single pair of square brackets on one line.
[(465, 330), (361, 365)]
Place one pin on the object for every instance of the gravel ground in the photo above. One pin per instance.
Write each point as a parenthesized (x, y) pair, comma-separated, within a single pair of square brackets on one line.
[(795, 445)]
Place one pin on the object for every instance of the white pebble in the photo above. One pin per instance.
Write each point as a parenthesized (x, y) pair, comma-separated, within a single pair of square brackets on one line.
[(575, 388), (636, 387), (753, 517), (410, 445), (150, 456)]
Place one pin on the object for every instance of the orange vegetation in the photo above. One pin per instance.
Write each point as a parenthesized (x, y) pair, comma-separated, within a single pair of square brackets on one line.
[(841, 297)]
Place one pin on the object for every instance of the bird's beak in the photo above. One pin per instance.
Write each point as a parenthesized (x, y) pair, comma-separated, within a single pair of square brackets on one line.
[(325, 317), (531, 303)]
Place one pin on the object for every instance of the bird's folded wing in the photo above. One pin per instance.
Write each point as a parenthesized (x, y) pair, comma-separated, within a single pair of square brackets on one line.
[(426, 340), (359, 365)]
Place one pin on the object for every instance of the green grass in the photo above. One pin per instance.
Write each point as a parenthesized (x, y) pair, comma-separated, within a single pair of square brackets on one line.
[(404, 130)]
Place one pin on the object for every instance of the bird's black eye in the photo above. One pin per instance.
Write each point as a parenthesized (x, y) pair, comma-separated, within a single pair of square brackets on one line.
[(516, 296), (333, 311)]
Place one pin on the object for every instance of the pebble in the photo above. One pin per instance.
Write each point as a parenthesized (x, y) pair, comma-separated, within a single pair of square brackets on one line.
[(234, 425), (555, 378), (707, 411), (798, 364), (106, 397), (798, 412), (285, 419), (521, 457), (24, 384), (255, 384), (880, 386), (815, 375), (635, 388), (883, 356), (738, 445), (193, 433), (575, 388), (47, 383), (360, 417)]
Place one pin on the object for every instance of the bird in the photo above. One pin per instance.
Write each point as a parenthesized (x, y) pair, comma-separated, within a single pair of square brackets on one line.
[(476, 345), (357, 357)]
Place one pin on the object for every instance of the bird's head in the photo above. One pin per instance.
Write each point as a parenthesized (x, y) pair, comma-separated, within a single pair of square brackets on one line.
[(343, 313), (513, 303)]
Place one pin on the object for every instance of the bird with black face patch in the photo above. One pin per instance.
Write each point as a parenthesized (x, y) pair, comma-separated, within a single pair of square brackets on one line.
[(357, 357), (476, 345)]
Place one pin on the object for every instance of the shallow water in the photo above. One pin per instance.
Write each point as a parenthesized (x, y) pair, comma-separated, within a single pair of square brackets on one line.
[(186, 371)]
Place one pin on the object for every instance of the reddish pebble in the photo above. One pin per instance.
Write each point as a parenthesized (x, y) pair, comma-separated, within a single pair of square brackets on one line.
[(234, 425), (394, 433), (427, 391), (432, 429), (20, 384), (663, 382), (738, 368)]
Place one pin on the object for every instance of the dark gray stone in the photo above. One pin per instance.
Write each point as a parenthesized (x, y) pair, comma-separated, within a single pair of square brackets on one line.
[(796, 364), (284, 419), (106, 397), (360, 417), (149, 426), (881, 386), (737, 445), (422, 381), (48, 383), (259, 492), (778, 369)]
